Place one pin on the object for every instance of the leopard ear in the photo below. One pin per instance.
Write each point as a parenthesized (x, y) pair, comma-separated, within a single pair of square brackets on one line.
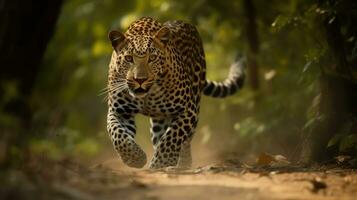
[(162, 36), (117, 39)]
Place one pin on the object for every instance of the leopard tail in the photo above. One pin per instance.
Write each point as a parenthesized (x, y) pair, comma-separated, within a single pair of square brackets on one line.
[(233, 83)]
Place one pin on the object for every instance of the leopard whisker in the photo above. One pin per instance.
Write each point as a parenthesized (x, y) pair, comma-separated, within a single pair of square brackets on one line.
[(113, 87)]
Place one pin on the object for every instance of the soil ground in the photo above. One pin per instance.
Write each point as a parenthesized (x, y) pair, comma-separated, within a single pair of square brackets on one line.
[(111, 180)]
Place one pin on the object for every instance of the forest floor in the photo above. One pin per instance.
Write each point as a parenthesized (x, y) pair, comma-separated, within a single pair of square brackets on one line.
[(232, 180)]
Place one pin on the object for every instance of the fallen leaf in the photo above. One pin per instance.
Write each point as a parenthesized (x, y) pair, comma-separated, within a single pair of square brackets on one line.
[(272, 160), (317, 185), (342, 158), (280, 161), (265, 159)]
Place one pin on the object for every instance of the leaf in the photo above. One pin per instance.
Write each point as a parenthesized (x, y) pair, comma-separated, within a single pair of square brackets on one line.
[(306, 66), (334, 140), (265, 159), (281, 160), (272, 160), (309, 123), (317, 185), (280, 22), (342, 158), (332, 20), (349, 142)]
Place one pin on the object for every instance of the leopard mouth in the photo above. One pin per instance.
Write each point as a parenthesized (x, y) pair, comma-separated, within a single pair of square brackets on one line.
[(140, 90)]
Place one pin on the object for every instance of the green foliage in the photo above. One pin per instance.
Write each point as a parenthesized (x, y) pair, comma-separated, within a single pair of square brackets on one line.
[(344, 140), (66, 143)]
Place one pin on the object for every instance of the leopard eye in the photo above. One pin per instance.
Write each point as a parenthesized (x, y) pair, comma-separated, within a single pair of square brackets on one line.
[(129, 58), (152, 57)]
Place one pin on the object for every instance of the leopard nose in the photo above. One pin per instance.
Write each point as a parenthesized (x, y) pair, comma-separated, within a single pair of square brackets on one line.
[(140, 80)]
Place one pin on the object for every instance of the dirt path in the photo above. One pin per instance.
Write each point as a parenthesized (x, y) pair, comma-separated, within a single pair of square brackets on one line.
[(209, 182), (221, 182)]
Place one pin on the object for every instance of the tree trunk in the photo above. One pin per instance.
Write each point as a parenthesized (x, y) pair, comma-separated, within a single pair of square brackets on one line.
[(25, 29), (338, 94), (253, 40)]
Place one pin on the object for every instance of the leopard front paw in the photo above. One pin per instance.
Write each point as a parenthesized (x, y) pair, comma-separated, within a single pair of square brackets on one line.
[(132, 155)]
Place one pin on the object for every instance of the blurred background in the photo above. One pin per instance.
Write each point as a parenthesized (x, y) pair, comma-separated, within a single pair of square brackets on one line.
[(300, 54)]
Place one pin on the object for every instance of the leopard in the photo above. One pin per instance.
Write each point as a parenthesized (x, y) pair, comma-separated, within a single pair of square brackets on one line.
[(159, 70)]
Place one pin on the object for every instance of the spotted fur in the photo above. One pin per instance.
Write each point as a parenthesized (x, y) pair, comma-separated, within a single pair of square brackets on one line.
[(159, 70)]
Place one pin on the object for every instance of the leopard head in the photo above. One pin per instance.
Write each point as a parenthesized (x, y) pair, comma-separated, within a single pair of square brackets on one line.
[(141, 59)]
